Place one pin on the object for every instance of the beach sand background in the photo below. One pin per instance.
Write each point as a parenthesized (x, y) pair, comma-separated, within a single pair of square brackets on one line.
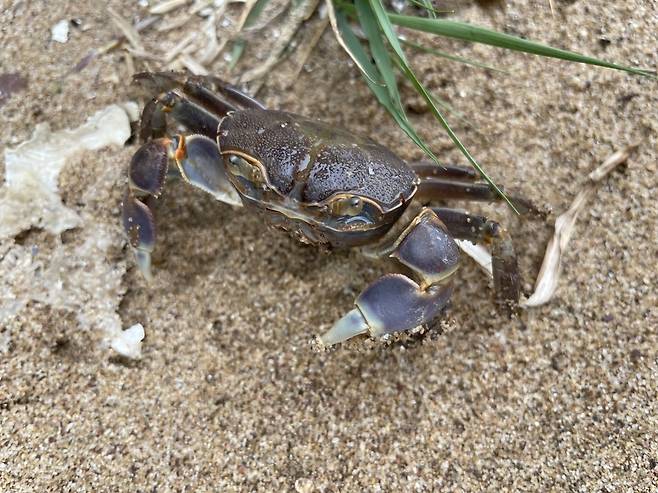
[(231, 393)]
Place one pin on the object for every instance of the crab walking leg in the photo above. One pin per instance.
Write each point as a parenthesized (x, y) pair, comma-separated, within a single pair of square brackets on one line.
[(199, 163), (210, 99), (479, 229), (427, 169), (153, 122), (192, 116), (432, 188), (203, 89), (395, 302), (235, 95)]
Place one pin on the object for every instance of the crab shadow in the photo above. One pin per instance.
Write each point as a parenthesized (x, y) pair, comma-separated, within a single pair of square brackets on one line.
[(198, 235)]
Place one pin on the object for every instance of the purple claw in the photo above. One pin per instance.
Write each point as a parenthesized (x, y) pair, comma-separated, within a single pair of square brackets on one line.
[(390, 304)]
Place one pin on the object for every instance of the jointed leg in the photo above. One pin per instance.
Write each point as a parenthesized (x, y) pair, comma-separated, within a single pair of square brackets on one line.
[(432, 188), (196, 102), (479, 229), (427, 169), (198, 162), (197, 157)]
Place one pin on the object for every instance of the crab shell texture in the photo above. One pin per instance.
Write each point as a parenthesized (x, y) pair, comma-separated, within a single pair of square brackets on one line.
[(325, 186)]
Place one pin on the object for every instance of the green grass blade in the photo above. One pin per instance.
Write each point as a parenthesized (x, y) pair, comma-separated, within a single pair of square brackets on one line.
[(469, 32), (427, 5), (430, 100), (454, 58), (458, 114), (378, 50), (383, 60), (370, 72), (236, 52), (350, 43), (386, 27), (255, 12)]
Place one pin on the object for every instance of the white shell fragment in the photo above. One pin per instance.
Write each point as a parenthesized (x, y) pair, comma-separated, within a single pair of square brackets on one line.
[(129, 342), (60, 31), (30, 196)]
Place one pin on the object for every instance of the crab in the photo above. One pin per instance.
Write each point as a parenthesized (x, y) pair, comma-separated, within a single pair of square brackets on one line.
[(323, 185)]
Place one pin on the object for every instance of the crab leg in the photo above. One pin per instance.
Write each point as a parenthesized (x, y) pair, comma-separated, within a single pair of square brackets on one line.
[(197, 102), (197, 87), (198, 162), (426, 169), (431, 188), (190, 115), (153, 123), (479, 229), (394, 302)]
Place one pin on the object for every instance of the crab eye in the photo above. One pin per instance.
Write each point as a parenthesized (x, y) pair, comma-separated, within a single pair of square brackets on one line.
[(351, 206), (354, 211), (240, 166)]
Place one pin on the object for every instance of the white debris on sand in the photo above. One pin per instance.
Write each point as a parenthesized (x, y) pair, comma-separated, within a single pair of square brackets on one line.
[(75, 275), (128, 343), (478, 253), (30, 196), (60, 31), (551, 269)]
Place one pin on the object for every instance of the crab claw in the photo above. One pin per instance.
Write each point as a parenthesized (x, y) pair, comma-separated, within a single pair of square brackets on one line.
[(138, 223), (392, 303), (199, 163), (147, 175)]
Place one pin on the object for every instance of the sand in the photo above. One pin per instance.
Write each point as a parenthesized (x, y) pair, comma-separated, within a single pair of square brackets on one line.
[(231, 394)]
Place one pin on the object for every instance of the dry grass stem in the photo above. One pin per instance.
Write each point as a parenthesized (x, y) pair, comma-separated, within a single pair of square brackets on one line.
[(551, 268), (298, 15), (308, 47), (167, 6), (126, 28)]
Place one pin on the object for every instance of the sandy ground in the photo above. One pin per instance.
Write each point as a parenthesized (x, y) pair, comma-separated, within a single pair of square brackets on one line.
[(230, 393)]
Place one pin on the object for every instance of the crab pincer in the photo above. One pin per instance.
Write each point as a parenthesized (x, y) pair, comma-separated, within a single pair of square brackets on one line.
[(394, 302), (197, 161), (138, 223)]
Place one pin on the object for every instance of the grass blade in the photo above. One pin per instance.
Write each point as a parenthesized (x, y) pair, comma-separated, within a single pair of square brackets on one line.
[(385, 24), (384, 94), (236, 52), (454, 58), (430, 100), (254, 12), (378, 50), (469, 32), (350, 43)]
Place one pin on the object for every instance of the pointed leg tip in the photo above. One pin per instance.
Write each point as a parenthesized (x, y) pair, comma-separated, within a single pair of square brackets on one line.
[(350, 325), (143, 259)]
